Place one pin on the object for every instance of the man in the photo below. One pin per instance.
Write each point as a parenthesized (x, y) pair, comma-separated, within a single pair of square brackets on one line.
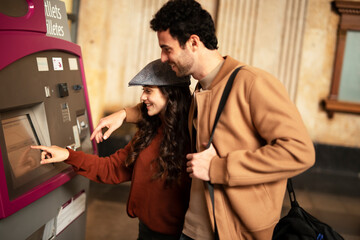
[(259, 142)]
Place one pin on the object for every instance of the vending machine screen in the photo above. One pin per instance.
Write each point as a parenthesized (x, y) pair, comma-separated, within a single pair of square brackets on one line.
[(21, 131)]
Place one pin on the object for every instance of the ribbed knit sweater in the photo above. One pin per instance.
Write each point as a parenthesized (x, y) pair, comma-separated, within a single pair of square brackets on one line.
[(159, 207)]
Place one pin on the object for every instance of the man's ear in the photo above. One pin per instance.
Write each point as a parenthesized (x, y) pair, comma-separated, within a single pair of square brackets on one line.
[(194, 42)]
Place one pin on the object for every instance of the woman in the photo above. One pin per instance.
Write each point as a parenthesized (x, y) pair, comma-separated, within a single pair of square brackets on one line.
[(154, 160)]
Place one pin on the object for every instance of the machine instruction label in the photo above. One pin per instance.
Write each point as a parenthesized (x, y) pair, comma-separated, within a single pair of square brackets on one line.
[(42, 64), (70, 210), (57, 64)]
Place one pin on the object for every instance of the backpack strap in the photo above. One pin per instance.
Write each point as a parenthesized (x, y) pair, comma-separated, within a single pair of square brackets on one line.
[(223, 99)]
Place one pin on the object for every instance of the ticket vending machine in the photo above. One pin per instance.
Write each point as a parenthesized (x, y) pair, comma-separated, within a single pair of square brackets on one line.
[(43, 100)]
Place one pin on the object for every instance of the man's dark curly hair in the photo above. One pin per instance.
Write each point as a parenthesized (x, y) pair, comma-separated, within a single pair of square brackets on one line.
[(176, 141), (184, 18)]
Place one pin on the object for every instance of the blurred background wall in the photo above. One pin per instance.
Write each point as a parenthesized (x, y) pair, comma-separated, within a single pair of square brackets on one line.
[(294, 40)]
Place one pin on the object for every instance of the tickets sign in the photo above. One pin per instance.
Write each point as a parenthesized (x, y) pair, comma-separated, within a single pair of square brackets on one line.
[(56, 20)]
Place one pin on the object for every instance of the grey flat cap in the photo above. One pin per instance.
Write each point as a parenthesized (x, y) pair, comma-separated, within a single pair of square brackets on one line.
[(157, 73)]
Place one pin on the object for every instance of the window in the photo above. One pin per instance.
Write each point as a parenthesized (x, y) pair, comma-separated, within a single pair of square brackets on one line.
[(345, 89)]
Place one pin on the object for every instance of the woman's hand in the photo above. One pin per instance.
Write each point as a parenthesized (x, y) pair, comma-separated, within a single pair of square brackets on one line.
[(52, 154), (112, 122)]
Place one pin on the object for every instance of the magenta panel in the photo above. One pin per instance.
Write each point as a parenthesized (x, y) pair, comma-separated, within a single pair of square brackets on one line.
[(20, 37), (33, 21)]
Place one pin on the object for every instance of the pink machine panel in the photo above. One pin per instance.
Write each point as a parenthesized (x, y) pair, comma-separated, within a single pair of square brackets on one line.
[(43, 100)]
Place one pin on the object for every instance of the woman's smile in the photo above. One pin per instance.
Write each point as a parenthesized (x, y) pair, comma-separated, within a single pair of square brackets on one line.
[(154, 100)]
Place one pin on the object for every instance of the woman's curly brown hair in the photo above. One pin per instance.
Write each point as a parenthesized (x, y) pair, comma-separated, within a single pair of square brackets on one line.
[(176, 141)]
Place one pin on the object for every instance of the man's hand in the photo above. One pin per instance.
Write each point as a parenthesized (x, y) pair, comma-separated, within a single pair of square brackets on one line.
[(198, 165), (112, 122)]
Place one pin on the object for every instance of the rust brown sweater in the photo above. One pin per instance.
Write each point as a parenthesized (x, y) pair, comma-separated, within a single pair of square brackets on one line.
[(161, 208)]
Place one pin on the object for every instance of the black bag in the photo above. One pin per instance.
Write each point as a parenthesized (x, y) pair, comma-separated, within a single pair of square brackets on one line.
[(300, 225)]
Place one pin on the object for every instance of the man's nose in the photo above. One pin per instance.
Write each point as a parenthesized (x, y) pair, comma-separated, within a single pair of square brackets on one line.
[(164, 57)]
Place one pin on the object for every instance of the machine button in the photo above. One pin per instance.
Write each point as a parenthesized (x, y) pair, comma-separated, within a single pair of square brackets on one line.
[(77, 87), (63, 90)]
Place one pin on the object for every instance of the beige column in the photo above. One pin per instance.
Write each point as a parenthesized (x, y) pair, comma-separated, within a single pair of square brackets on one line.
[(265, 33)]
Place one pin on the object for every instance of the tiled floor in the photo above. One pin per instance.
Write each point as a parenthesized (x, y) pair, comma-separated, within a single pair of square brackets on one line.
[(107, 218)]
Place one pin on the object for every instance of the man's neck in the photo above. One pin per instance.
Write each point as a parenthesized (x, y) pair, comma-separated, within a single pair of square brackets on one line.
[(206, 62)]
